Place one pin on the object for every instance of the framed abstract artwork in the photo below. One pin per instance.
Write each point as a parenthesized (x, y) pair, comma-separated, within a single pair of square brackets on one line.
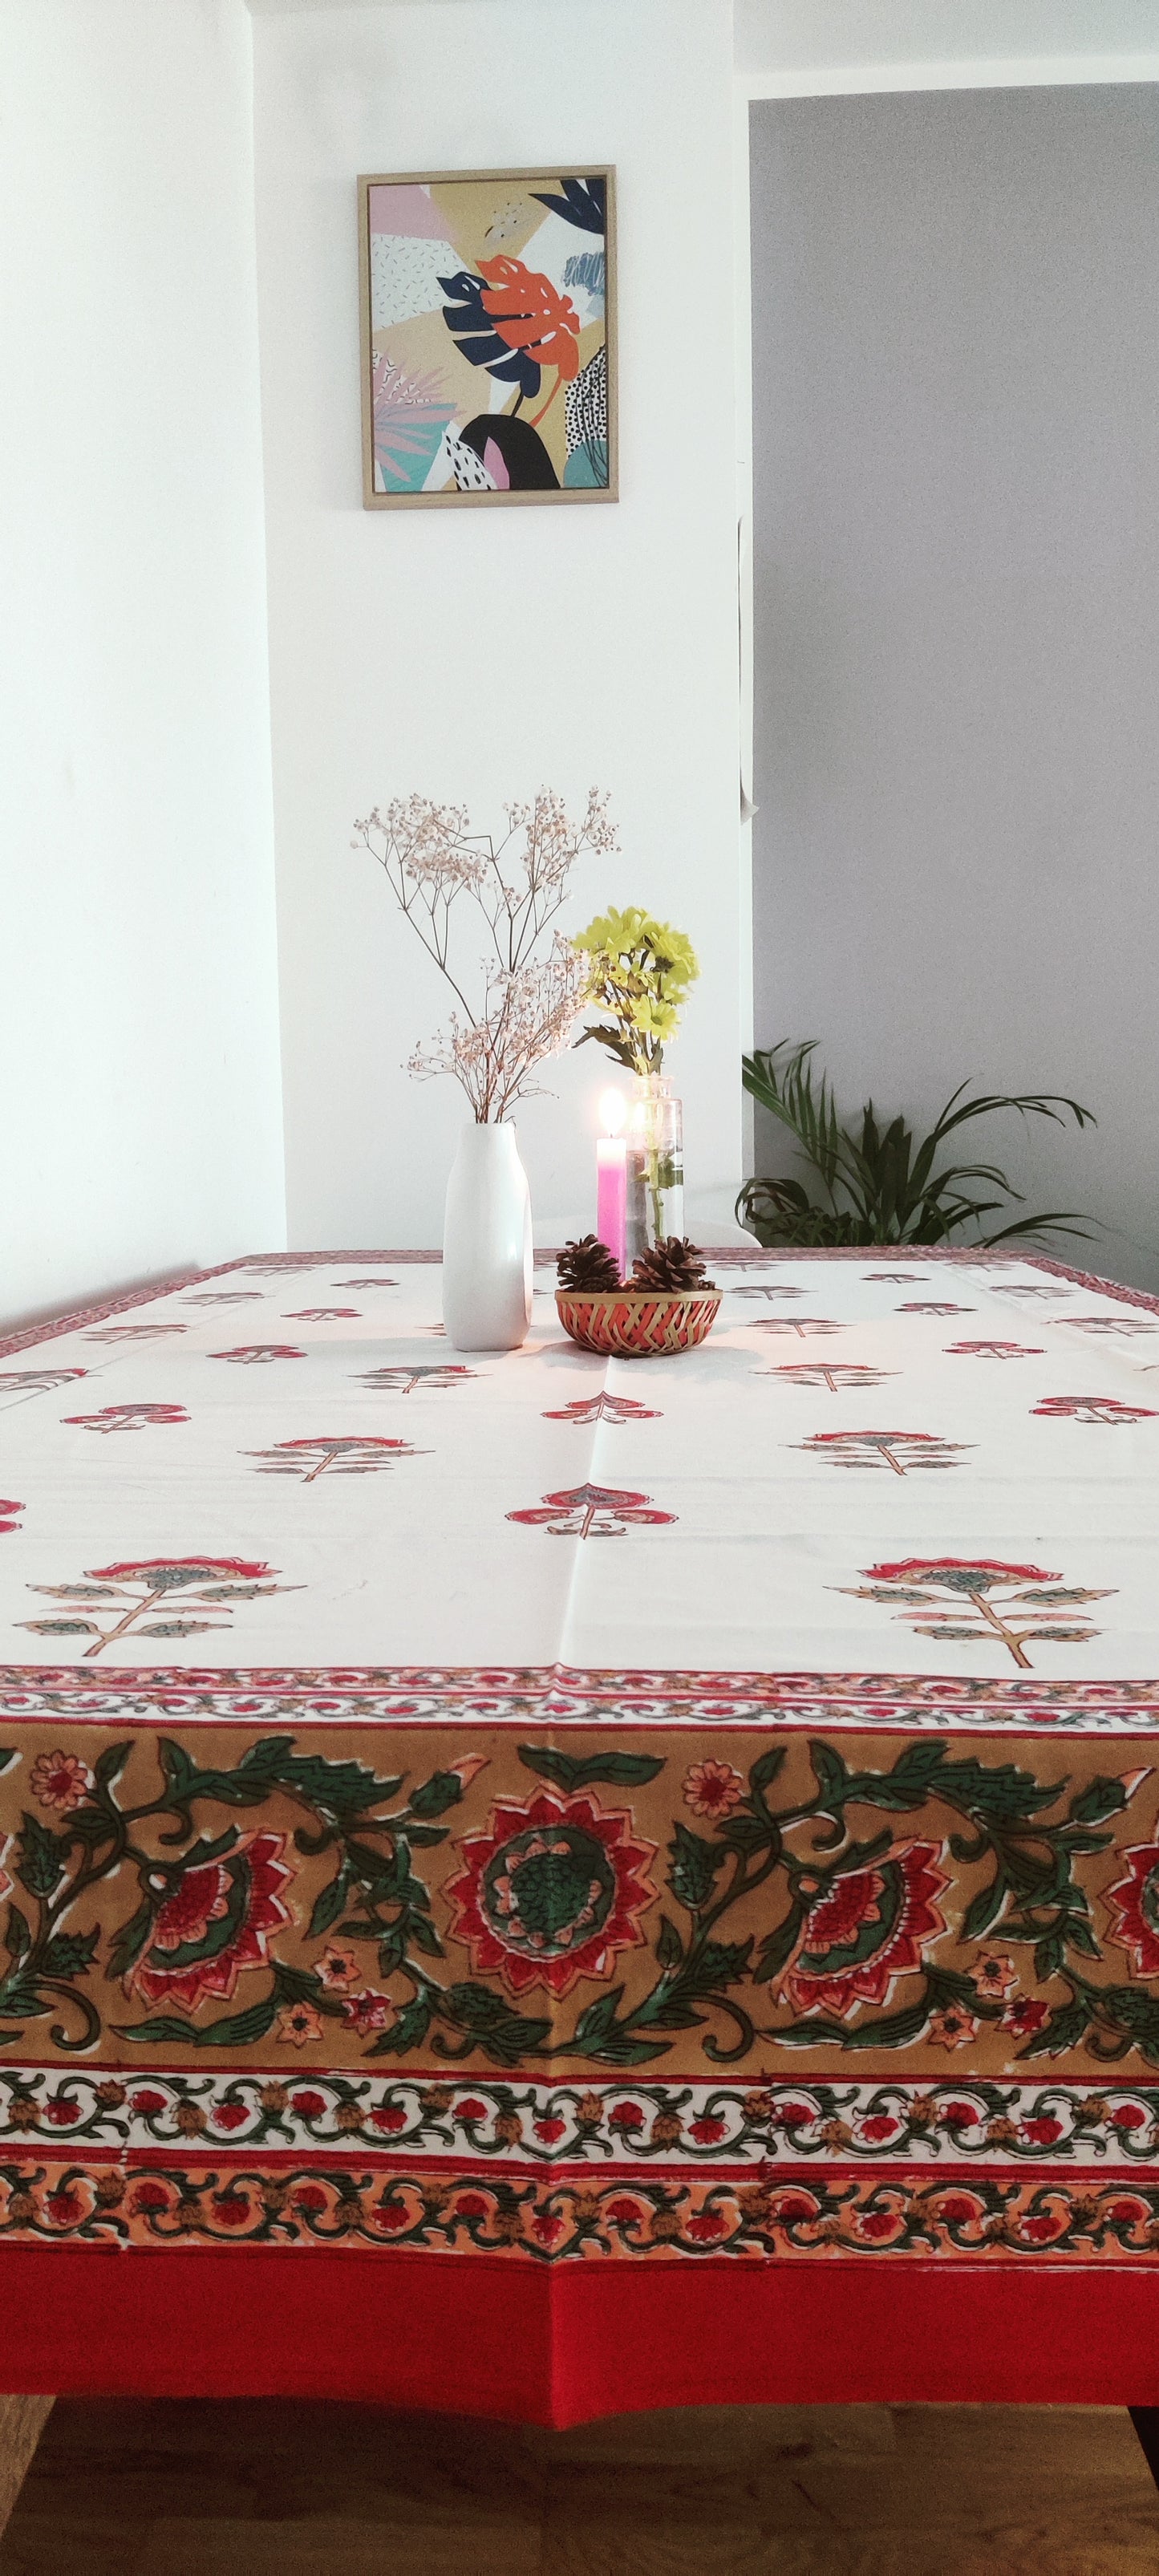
[(488, 337)]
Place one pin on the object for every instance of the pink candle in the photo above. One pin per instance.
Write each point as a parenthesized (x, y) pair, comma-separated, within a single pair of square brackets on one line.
[(612, 1181)]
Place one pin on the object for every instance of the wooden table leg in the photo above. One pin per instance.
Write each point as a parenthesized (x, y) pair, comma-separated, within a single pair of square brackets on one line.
[(1146, 2422), (22, 2421)]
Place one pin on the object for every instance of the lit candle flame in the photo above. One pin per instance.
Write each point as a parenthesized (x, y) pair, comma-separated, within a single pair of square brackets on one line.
[(613, 1111)]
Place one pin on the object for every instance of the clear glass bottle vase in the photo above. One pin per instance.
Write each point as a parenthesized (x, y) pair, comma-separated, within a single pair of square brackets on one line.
[(655, 1166)]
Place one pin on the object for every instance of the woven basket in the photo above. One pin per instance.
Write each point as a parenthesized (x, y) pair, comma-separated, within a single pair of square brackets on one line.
[(638, 1324)]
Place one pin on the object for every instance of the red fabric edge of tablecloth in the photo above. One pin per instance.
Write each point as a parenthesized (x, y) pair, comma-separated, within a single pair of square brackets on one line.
[(488, 2339)]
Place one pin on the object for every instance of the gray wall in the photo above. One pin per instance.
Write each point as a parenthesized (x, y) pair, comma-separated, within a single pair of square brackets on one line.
[(956, 424)]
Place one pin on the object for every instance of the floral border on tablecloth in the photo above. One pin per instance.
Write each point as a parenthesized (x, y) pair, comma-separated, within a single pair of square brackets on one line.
[(362, 2203), (565, 1696)]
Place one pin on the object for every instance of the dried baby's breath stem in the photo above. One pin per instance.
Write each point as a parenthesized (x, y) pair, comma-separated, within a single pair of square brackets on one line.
[(441, 874)]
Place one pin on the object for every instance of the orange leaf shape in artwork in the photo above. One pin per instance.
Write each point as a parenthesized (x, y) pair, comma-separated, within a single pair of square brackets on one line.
[(529, 313)]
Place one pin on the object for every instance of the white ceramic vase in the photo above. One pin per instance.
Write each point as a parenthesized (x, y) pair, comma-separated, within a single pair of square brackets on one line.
[(487, 1254)]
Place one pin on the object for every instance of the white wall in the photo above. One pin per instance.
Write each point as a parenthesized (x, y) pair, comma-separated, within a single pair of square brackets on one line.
[(812, 45), (140, 1127), (477, 655)]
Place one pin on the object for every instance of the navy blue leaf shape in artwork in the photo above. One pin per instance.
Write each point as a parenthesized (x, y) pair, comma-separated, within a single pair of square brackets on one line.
[(477, 337), (583, 202)]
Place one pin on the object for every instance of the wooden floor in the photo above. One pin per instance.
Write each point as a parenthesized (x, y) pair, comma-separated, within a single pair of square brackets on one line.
[(175, 2488)]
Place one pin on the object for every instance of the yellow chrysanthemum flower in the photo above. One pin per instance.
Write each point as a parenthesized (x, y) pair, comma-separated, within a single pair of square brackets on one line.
[(639, 971)]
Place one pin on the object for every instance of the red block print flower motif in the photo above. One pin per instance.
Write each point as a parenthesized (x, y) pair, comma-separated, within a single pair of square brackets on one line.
[(863, 1929), (429, 1379), (231, 2208), (1043, 2226), (128, 1417), (150, 2197), (931, 1306), (712, 1788), (1128, 2116), (231, 2115), (604, 1408), (167, 1572), (992, 1351), (707, 2227), (768, 1293), (321, 1315), (8, 1520), (901, 1450), (1122, 1324), (134, 1590), (371, 1283), (879, 2225), (64, 2207), (988, 1598), (215, 1923), (1025, 2017), (136, 1332), (878, 2129), (794, 2209), (62, 2112), (227, 1297), (347, 1454), (61, 1781), (592, 1511), (368, 2012), (251, 1352), (282, 1265), (815, 1373), (39, 1381), (551, 1892), (958, 2116), (1092, 1408), (1133, 1906), (958, 2209), (804, 1326)]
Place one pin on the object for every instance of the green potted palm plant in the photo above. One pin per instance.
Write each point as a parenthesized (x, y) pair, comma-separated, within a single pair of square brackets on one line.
[(874, 1182)]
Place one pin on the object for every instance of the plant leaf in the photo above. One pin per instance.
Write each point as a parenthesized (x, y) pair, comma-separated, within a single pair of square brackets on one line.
[(571, 1771)]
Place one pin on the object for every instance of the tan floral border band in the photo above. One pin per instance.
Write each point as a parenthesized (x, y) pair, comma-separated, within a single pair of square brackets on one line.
[(760, 1903), (283, 2205)]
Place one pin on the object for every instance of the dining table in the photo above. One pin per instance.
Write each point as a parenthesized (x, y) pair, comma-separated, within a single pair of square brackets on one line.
[(535, 1884)]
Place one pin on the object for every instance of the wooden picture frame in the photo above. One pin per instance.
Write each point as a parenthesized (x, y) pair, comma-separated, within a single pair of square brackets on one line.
[(450, 352)]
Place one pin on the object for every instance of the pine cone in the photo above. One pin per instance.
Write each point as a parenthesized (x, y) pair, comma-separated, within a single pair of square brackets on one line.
[(588, 1266), (673, 1265)]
